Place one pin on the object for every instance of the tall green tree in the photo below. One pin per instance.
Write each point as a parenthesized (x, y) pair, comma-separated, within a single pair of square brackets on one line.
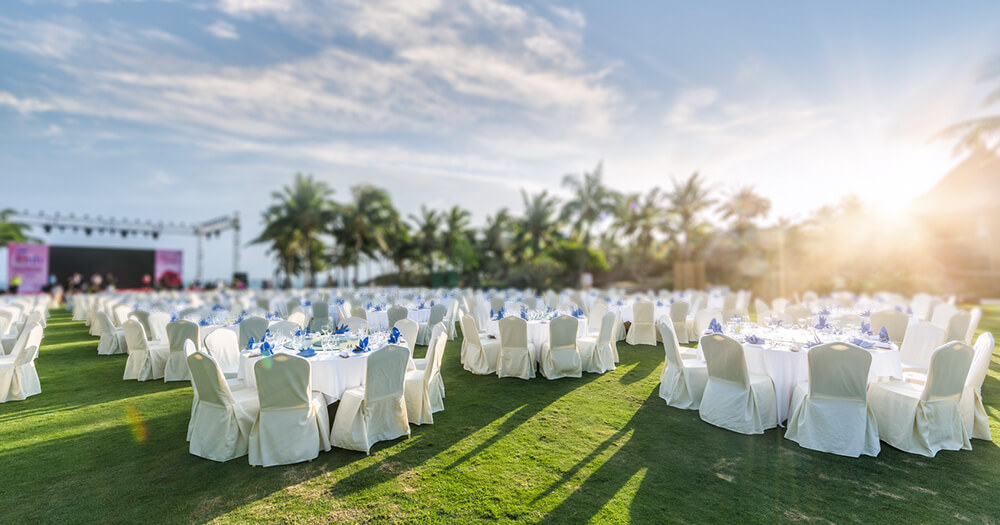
[(427, 236), (365, 225), (590, 198), (689, 200), (12, 231), (537, 228), (300, 214)]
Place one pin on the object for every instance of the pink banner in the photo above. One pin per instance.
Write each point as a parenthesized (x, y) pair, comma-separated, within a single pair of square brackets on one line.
[(31, 263), (168, 261)]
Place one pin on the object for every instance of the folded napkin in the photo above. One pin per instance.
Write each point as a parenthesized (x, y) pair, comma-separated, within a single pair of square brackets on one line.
[(814, 342), (862, 343), (824, 311), (866, 313), (306, 352), (883, 335), (578, 313), (821, 325), (431, 303), (866, 328), (174, 319), (659, 303), (898, 308), (342, 329), (524, 313), (393, 336), (362, 346), (754, 340), (378, 308), (500, 314), (714, 326), (265, 349), (203, 322), (250, 344), (218, 307), (267, 335)]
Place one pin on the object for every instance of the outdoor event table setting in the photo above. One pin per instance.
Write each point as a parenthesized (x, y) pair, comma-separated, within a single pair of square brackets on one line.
[(538, 323), (378, 313), (781, 353), (338, 358)]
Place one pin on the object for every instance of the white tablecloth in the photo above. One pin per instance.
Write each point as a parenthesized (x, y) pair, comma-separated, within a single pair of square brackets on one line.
[(787, 368), (538, 331), (331, 374), (379, 320)]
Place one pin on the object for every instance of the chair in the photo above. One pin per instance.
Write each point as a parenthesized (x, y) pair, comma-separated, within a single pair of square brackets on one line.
[(852, 321), (143, 317), (977, 422), (479, 354), (975, 315), (293, 422), (146, 360), (158, 326), (284, 328), (596, 317), (177, 333), (597, 352), (797, 314), (703, 318), (297, 318), (420, 387), (222, 419), (254, 327), (497, 302), (942, 313), (682, 381), (436, 316), (395, 313), (958, 326), (408, 329), (735, 399), (778, 304), (223, 345), (678, 320), (919, 343), (830, 412), (435, 331), (28, 336), (559, 356), (112, 339), (642, 331), (357, 311), (375, 411), (320, 316), (517, 356), (894, 322), (763, 312), (18, 377), (355, 324), (923, 419)]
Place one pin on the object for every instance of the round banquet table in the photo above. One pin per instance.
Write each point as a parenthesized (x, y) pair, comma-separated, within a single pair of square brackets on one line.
[(331, 374), (538, 331), (787, 369), (379, 320)]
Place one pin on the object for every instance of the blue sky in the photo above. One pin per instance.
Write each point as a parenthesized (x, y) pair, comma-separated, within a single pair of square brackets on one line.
[(187, 110)]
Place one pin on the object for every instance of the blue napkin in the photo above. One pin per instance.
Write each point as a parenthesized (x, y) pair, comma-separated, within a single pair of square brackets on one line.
[(339, 301), (714, 326), (524, 313), (393, 336), (824, 311), (866, 313), (421, 305), (431, 303), (342, 329), (883, 335), (174, 319), (306, 352), (501, 314), (821, 325), (754, 340), (218, 307), (307, 303), (866, 328), (862, 343), (203, 322), (659, 303), (362, 346), (265, 349), (898, 308), (814, 342), (250, 344), (909, 311)]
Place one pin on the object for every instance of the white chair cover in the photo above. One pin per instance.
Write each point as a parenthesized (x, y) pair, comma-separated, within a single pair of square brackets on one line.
[(977, 422), (146, 360), (479, 354), (921, 340), (559, 356), (18, 377), (682, 381), (517, 356), (958, 326), (597, 352), (678, 318), (702, 319), (596, 316), (254, 327), (222, 419), (395, 313), (735, 399), (923, 419), (894, 322), (293, 422), (285, 328), (158, 326), (320, 316), (642, 331), (408, 329), (975, 315), (110, 342), (830, 412), (421, 392), (438, 311), (177, 333), (376, 411), (355, 324), (223, 346)]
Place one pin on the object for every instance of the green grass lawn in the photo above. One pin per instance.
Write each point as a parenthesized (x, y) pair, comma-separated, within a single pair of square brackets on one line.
[(93, 448)]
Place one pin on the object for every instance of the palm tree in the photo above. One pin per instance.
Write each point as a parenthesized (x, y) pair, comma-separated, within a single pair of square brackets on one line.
[(456, 231), (980, 134), (537, 227), (688, 200), (742, 207), (496, 241), (365, 224), (590, 198), (640, 218), (427, 240), (13, 232), (301, 213)]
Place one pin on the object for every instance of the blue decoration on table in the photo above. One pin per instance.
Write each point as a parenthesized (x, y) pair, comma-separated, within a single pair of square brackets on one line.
[(393, 336), (218, 307), (821, 325), (267, 335), (883, 335), (342, 329), (898, 308), (754, 340), (421, 306), (339, 301), (823, 311), (174, 318), (524, 313), (578, 313), (431, 303), (815, 342), (307, 303), (250, 344), (265, 349), (306, 352), (378, 308), (362, 346), (659, 303), (203, 322), (714, 326), (867, 313), (866, 328), (500, 314), (862, 343), (672, 301), (909, 311)]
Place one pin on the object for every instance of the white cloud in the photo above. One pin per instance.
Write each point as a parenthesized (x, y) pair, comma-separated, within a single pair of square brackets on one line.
[(573, 16), (224, 30), (53, 131), (23, 105), (252, 7)]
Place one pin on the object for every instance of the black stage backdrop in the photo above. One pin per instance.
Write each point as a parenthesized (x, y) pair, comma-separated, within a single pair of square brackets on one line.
[(128, 266)]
